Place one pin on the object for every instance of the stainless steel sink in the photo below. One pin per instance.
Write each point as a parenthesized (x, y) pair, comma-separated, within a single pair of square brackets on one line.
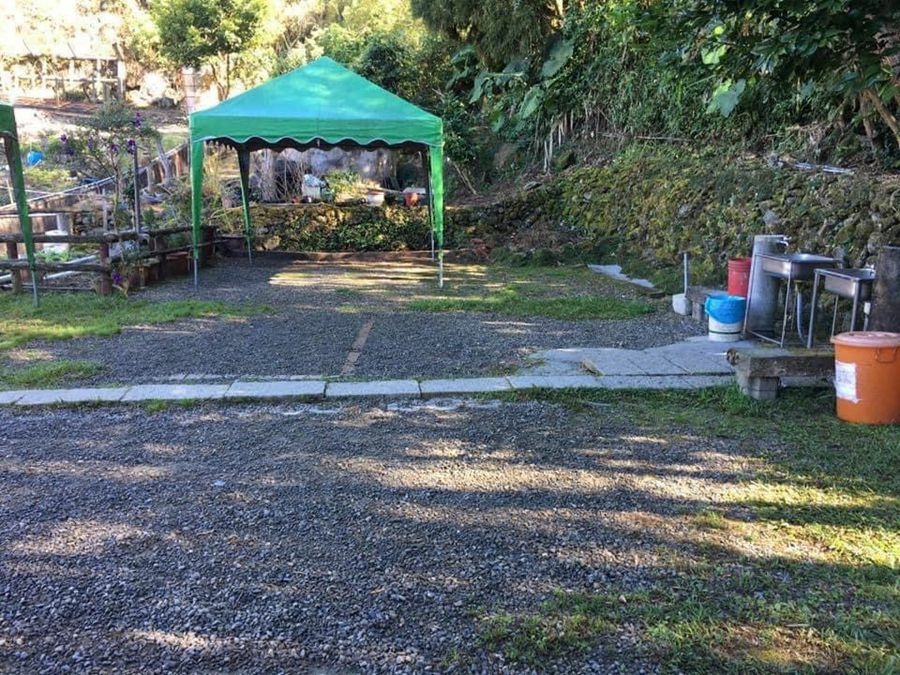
[(850, 283), (795, 266)]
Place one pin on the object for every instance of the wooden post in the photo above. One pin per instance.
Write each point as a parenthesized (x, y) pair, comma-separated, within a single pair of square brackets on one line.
[(121, 71), (159, 244), (105, 277), (885, 313), (12, 252)]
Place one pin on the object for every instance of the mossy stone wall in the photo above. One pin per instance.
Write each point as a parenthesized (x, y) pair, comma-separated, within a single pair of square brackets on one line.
[(645, 209), (642, 209), (325, 227)]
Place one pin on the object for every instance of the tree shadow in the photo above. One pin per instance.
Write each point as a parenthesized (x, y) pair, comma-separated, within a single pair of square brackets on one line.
[(274, 537)]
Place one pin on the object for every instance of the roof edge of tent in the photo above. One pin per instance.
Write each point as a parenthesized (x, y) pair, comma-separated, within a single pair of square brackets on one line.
[(313, 139)]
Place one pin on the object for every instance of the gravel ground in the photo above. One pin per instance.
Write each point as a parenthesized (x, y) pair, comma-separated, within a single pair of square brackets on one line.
[(319, 309), (326, 539)]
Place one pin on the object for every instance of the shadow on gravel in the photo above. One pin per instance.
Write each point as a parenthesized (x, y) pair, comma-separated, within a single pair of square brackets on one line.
[(253, 539), (316, 314)]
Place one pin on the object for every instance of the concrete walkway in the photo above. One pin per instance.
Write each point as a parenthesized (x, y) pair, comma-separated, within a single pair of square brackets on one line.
[(693, 364)]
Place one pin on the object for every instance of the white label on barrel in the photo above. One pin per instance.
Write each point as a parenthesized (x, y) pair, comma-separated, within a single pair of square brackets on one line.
[(845, 381)]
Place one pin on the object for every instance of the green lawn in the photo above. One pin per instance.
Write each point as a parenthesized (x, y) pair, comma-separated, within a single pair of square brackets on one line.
[(62, 316), (796, 571), (563, 292)]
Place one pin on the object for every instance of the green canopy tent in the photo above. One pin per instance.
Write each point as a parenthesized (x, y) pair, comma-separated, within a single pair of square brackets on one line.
[(13, 157), (321, 105)]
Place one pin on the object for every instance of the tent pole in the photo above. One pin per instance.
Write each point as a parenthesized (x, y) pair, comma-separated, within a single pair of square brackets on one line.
[(244, 166), (14, 159), (197, 150), (427, 165), (436, 199)]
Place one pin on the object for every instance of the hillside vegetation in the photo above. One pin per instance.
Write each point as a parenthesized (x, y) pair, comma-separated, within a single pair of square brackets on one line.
[(669, 126)]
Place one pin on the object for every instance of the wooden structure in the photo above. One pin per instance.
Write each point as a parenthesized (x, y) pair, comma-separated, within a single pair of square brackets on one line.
[(96, 77), (760, 370), (151, 263)]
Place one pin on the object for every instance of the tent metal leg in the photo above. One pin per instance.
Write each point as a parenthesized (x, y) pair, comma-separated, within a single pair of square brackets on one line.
[(441, 270), (34, 289), (196, 273)]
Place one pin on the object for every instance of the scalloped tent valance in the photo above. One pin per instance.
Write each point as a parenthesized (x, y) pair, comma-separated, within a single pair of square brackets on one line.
[(320, 103)]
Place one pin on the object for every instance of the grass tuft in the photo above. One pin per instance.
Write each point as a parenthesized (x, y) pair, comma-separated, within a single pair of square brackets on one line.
[(63, 316), (48, 375), (511, 303)]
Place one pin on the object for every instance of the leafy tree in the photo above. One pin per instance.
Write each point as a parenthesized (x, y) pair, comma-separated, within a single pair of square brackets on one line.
[(500, 30), (846, 51), (197, 32), (388, 62)]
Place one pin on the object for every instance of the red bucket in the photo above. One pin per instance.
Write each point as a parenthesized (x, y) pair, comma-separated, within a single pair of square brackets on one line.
[(738, 276)]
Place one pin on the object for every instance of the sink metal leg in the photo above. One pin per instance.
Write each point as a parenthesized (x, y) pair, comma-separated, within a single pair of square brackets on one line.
[(811, 329), (787, 303), (837, 299), (853, 315)]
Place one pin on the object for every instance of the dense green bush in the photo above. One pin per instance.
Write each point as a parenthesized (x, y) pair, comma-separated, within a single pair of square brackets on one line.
[(324, 227)]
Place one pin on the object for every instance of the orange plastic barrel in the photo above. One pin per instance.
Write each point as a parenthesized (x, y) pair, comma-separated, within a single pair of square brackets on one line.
[(867, 377), (738, 276)]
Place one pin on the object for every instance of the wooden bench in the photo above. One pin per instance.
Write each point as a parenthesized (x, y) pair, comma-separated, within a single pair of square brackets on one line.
[(759, 370)]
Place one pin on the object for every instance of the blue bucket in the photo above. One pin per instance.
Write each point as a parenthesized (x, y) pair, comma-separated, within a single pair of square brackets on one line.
[(34, 157), (725, 308)]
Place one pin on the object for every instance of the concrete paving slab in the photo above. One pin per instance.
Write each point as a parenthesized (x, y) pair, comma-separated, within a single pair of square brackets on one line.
[(657, 364), (612, 361), (174, 392), (7, 397), (555, 381), (283, 389), (664, 381), (82, 395), (471, 385), (699, 363), (377, 388), (41, 397), (615, 272), (570, 355)]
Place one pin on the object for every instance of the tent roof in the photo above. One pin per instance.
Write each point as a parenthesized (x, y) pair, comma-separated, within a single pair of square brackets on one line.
[(321, 100)]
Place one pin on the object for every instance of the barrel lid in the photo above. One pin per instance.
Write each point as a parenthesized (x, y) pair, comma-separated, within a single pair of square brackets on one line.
[(868, 338)]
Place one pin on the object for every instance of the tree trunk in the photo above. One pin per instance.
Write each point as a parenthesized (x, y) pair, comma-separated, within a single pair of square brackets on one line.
[(189, 82), (267, 176), (163, 161), (884, 113)]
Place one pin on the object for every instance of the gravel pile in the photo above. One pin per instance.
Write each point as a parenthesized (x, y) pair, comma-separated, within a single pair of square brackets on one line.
[(318, 312), (372, 539)]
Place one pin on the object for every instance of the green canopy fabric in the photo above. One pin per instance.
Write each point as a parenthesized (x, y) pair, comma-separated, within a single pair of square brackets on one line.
[(10, 138), (321, 105)]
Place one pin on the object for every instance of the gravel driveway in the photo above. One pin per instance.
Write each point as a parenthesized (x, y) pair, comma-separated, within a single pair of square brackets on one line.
[(318, 310), (360, 538)]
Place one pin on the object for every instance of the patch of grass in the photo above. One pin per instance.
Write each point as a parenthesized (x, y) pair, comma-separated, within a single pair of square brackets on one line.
[(533, 638), (62, 316), (48, 375), (794, 568), (511, 303), (161, 405), (565, 292)]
